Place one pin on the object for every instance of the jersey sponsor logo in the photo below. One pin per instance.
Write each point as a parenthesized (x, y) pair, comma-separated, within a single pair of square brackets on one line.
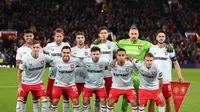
[(72, 66), (127, 70), (88, 65), (120, 74), (139, 47), (160, 58), (42, 62), (65, 71), (109, 47), (106, 52), (55, 54), (148, 76), (37, 68), (166, 53), (100, 66), (94, 71), (86, 53)]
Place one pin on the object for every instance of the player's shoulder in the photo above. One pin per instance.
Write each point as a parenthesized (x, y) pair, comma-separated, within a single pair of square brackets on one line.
[(74, 48), (123, 41), (154, 47), (65, 44)]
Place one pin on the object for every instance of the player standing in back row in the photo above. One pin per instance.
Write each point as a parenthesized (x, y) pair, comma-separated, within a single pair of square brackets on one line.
[(108, 49), (30, 75), (164, 58), (135, 48), (26, 48), (54, 50), (80, 51)]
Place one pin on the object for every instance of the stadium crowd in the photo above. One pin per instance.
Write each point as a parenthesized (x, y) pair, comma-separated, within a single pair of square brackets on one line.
[(43, 17)]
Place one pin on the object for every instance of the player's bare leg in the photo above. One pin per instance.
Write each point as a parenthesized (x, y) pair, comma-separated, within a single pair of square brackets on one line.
[(134, 105), (103, 104), (44, 104), (151, 106), (110, 105), (20, 104), (76, 106), (168, 104), (142, 104), (85, 104)]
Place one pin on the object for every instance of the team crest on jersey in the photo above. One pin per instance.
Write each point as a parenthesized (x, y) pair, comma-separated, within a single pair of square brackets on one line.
[(72, 66), (139, 47), (109, 47), (86, 53), (42, 62), (166, 53), (127, 70), (153, 73), (100, 66)]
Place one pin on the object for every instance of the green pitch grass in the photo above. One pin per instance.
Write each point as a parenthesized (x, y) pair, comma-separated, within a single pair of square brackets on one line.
[(8, 91)]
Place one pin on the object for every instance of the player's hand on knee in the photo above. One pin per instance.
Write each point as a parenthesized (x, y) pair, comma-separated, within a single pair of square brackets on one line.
[(160, 95), (20, 89)]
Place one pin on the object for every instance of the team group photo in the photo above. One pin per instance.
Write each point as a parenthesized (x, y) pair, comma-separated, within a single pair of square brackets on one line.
[(99, 66)]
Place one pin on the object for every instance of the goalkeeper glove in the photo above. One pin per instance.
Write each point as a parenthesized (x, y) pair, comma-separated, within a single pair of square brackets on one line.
[(170, 48), (96, 41)]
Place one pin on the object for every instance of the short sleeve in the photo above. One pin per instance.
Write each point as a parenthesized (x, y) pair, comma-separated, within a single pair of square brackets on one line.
[(46, 49), (137, 63), (173, 56), (18, 55), (22, 65)]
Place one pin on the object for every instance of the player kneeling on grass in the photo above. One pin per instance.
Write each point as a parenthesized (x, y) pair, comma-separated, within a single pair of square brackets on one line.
[(122, 81), (30, 74), (65, 79), (94, 68), (150, 82)]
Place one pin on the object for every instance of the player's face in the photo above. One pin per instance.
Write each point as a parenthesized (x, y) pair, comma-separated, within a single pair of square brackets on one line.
[(103, 34), (80, 39), (160, 38), (95, 56), (121, 56), (28, 37), (148, 61), (133, 34), (58, 37), (36, 48), (66, 53)]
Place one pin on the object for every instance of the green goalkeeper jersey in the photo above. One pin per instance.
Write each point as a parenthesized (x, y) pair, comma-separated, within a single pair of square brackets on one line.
[(136, 50)]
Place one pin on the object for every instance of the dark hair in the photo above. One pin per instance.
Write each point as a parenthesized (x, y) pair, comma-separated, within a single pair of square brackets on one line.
[(148, 54), (80, 33), (121, 49), (93, 49), (160, 31), (36, 42), (59, 30), (102, 28), (27, 31), (66, 47)]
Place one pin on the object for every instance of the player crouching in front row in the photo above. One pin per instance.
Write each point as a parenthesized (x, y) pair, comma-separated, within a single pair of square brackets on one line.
[(122, 81), (150, 82), (30, 74)]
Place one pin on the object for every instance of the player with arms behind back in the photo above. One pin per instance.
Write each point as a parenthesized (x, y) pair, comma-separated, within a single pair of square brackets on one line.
[(26, 48), (150, 82), (80, 51), (54, 50), (108, 49), (30, 75), (164, 57), (65, 79), (122, 81)]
